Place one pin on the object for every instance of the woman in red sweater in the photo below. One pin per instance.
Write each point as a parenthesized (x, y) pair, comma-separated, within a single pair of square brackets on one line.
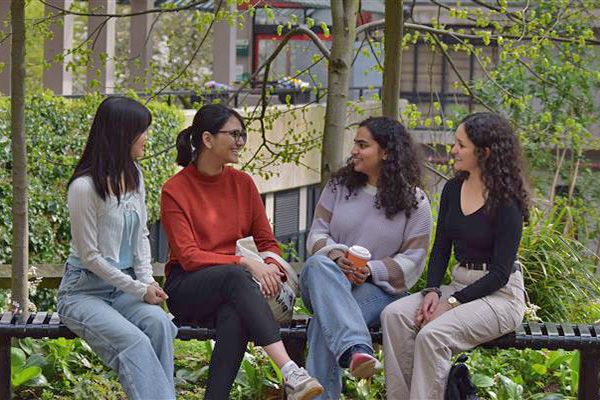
[(205, 209)]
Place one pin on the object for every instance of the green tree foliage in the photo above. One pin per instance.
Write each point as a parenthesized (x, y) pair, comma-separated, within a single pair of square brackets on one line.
[(57, 129)]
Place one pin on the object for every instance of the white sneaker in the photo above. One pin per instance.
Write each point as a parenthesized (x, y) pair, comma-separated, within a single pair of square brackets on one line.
[(299, 385)]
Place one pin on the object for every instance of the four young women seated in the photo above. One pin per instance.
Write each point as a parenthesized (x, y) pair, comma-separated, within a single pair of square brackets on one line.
[(375, 202)]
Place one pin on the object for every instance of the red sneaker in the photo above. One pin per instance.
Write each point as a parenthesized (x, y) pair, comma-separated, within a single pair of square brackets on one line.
[(363, 365)]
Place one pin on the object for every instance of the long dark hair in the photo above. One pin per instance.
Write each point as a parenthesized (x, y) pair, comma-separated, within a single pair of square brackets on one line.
[(107, 154), (503, 168), (210, 118), (400, 172)]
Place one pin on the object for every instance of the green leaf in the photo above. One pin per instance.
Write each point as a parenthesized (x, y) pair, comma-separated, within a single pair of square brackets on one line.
[(17, 358), (40, 380), (37, 360), (482, 381), (25, 375), (539, 369)]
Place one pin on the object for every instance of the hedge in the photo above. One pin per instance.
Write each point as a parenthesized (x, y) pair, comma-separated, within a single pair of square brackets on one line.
[(57, 128)]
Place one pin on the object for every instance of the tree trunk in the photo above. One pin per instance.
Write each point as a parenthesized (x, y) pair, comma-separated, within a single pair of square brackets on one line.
[(392, 65), (20, 254), (344, 13)]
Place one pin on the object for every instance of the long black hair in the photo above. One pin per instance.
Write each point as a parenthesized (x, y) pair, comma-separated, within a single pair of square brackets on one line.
[(209, 118), (503, 168), (118, 122), (400, 172)]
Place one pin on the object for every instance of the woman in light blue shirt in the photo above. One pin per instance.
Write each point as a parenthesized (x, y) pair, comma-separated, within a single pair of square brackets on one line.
[(108, 295)]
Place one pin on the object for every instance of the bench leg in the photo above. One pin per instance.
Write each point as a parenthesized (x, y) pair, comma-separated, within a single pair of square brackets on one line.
[(589, 367), (5, 389), (295, 348)]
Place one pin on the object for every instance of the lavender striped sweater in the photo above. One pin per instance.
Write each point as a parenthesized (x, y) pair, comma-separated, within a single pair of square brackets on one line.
[(398, 245)]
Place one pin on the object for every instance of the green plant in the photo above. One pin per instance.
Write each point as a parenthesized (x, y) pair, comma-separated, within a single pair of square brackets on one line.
[(25, 370), (530, 374), (67, 368), (258, 377), (289, 250), (559, 270)]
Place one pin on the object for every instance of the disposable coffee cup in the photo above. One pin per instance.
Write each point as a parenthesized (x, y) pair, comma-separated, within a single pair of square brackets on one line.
[(359, 256)]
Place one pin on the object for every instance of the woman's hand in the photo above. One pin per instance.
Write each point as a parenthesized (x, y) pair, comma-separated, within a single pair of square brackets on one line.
[(345, 265), (360, 275), (161, 291), (268, 275), (155, 294), (442, 307), (428, 307)]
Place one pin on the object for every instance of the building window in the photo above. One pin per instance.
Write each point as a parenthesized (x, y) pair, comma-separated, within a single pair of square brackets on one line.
[(286, 216)]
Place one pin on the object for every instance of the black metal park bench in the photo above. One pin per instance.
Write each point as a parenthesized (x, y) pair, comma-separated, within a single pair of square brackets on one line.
[(534, 335)]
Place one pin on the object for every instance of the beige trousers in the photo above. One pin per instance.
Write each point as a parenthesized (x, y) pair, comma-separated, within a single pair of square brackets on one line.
[(417, 362)]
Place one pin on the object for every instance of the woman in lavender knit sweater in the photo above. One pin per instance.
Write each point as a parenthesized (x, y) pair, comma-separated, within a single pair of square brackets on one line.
[(374, 202)]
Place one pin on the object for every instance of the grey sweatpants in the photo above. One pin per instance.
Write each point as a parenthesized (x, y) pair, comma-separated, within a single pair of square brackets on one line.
[(417, 362)]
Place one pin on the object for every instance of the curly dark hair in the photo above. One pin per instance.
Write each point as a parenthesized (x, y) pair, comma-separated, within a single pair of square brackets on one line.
[(503, 167), (400, 172)]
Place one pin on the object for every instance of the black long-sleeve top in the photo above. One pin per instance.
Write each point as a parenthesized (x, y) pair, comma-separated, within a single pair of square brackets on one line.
[(477, 238)]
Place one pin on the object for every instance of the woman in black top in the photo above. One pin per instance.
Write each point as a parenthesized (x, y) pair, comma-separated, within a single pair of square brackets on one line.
[(481, 215)]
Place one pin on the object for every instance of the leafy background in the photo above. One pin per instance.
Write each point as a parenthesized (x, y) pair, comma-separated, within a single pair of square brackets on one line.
[(57, 129)]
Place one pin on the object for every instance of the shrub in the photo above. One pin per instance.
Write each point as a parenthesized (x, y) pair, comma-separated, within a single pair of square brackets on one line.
[(559, 271), (56, 132)]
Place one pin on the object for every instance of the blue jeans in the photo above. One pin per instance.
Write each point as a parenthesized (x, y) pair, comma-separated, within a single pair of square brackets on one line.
[(343, 314), (132, 337)]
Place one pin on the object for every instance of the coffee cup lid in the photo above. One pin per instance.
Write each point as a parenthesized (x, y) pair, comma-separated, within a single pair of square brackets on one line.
[(360, 252)]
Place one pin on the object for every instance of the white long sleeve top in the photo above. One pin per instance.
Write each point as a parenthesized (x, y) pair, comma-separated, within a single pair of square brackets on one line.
[(97, 232)]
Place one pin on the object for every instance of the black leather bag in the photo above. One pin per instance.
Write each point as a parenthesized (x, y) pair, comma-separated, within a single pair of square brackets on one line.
[(459, 385)]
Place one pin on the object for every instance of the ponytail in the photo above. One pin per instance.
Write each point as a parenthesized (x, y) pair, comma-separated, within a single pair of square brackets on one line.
[(210, 118), (184, 147)]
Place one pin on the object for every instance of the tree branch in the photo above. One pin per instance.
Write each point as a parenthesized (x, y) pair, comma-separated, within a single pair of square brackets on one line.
[(192, 58), (459, 75), (151, 11), (380, 24), (297, 30)]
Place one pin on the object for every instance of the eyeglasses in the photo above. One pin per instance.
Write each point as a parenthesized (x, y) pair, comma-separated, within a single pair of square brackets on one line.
[(236, 134)]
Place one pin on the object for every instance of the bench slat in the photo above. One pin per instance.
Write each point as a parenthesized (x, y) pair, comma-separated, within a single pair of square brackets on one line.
[(54, 319), (520, 330), (552, 329), (584, 331), (536, 330), (568, 330), (39, 318), (6, 318)]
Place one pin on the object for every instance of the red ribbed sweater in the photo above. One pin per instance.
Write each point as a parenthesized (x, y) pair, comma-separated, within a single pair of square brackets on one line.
[(203, 217)]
